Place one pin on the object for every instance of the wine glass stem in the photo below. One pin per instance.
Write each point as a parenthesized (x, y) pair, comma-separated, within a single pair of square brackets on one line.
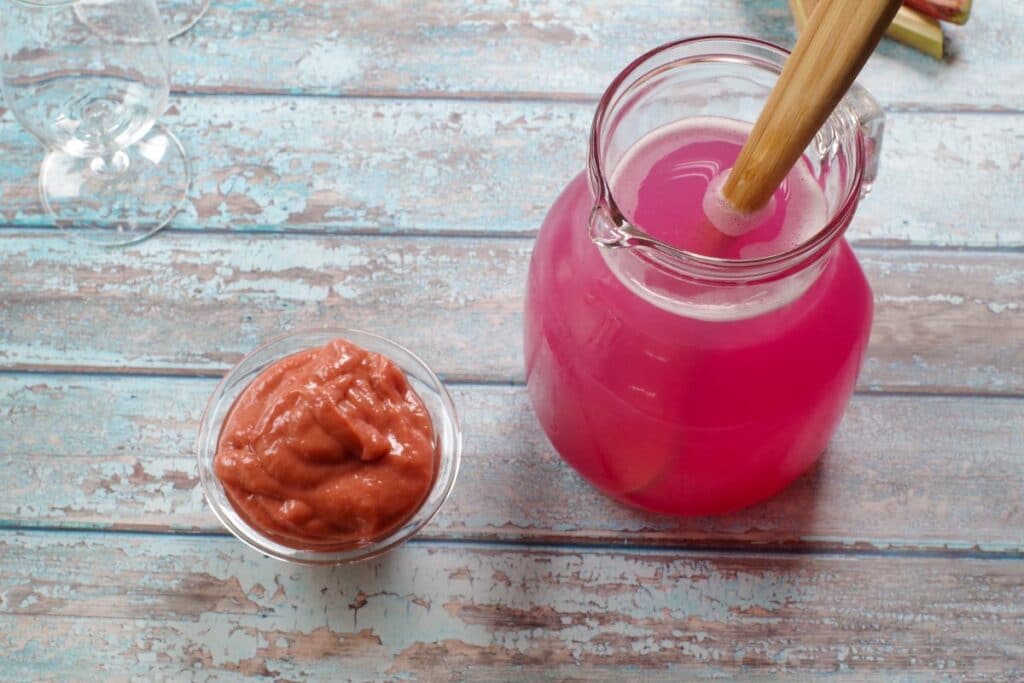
[(112, 164)]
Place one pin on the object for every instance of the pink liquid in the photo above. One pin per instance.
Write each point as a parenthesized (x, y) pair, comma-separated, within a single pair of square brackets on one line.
[(672, 413), (662, 182)]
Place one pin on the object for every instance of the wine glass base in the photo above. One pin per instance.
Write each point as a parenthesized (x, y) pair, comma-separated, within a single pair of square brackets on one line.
[(115, 208), (178, 16)]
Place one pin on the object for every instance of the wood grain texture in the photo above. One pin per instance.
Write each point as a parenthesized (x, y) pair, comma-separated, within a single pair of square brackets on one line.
[(897, 560), (828, 56), (910, 26), (898, 474), (466, 167), (945, 321), (497, 48), (209, 607)]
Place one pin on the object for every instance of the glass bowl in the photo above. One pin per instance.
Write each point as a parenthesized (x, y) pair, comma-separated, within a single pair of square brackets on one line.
[(447, 442)]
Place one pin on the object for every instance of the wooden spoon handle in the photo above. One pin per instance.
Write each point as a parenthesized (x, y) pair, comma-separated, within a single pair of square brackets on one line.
[(829, 54)]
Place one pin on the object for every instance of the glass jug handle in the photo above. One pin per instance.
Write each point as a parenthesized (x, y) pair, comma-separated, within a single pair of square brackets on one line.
[(870, 118)]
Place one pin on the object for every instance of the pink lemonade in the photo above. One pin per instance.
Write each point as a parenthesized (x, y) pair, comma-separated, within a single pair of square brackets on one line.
[(669, 183), (675, 413)]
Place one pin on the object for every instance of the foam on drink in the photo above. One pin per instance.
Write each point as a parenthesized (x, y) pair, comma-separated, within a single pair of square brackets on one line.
[(725, 217)]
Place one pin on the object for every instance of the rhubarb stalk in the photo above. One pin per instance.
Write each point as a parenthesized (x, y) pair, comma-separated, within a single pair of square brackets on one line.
[(953, 11), (910, 27)]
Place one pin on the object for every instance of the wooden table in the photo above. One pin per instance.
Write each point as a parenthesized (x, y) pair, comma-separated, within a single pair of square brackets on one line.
[(385, 166)]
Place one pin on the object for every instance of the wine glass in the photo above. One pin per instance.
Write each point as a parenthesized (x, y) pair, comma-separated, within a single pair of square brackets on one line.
[(178, 15), (181, 15), (92, 97)]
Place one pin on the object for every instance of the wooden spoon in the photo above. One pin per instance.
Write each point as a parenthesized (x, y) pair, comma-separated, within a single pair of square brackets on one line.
[(839, 37)]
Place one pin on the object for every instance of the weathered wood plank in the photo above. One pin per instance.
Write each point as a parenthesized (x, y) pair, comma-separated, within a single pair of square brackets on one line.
[(281, 164), (192, 303), (208, 607), (895, 476), (500, 48), (932, 317), (945, 321)]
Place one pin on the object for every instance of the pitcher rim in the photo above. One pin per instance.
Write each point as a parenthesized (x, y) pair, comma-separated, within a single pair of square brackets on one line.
[(791, 259)]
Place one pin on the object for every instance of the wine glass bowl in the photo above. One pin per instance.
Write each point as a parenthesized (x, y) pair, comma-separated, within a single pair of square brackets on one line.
[(89, 80), (178, 16), (181, 15)]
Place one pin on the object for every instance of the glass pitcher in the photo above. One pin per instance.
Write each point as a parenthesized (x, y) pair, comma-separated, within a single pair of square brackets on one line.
[(678, 382)]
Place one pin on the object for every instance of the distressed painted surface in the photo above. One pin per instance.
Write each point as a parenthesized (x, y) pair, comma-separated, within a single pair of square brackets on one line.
[(894, 476), (945, 321), (210, 607), (495, 167), (548, 49), (460, 122)]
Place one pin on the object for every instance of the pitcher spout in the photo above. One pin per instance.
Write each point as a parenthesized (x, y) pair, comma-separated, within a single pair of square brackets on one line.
[(868, 117)]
